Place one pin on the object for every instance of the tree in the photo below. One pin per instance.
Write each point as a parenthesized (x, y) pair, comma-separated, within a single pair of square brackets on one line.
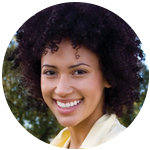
[(42, 126), (32, 130), (138, 122)]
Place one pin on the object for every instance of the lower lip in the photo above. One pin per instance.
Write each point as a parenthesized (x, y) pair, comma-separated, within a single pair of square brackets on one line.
[(67, 110)]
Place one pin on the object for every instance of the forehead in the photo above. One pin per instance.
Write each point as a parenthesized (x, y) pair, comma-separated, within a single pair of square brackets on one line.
[(66, 54)]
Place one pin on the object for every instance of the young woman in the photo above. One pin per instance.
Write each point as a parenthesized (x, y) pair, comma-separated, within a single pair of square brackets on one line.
[(84, 63)]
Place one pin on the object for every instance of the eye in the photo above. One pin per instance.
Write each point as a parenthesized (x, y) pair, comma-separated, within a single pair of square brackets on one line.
[(79, 72), (50, 73)]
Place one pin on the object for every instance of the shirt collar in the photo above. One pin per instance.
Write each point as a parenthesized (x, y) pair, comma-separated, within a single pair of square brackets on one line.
[(99, 131)]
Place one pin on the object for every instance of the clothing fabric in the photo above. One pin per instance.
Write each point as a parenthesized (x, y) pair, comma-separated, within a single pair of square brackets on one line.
[(105, 128)]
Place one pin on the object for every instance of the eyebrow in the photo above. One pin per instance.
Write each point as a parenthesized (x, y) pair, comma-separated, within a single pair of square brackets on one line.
[(70, 67)]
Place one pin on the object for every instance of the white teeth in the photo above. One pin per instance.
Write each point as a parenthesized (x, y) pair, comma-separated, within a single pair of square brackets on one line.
[(67, 105), (62, 105), (72, 104), (75, 103)]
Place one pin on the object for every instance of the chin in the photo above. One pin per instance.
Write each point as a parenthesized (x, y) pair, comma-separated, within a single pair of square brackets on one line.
[(67, 122)]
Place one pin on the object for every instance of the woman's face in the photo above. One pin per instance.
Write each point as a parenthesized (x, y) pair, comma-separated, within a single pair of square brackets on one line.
[(72, 88)]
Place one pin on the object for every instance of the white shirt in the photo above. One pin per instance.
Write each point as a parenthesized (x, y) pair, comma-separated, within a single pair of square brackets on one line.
[(105, 128)]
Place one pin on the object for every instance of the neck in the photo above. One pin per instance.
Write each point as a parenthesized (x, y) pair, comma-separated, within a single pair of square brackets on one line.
[(79, 132)]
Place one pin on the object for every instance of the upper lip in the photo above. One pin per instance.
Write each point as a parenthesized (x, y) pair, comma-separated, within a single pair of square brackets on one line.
[(68, 100)]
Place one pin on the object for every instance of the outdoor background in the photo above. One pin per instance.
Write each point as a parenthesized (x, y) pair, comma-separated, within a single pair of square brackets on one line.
[(23, 129)]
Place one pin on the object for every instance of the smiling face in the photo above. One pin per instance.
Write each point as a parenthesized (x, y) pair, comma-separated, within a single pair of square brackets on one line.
[(72, 88)]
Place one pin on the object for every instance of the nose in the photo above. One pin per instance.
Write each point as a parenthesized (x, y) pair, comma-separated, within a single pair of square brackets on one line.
[(63, 87)]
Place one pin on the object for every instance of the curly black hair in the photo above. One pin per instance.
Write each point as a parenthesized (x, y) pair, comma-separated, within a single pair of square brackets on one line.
[(100, 30)]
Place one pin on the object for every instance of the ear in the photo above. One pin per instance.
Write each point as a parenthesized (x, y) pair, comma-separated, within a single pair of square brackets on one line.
[(107, 85)]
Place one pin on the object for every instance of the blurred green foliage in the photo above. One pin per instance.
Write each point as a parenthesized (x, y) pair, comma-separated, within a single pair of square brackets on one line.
[(138, 122), (23, 129), (42, 126)]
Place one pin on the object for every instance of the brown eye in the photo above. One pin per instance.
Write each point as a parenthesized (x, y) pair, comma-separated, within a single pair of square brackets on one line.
[(79, 72), (50, 73)]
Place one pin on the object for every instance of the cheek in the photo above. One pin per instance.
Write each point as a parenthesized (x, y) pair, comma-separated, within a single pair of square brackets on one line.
[(45, 88), (93, 89), (92, 84)]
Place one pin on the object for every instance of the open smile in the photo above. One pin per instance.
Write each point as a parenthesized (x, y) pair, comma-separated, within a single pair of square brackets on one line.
[(66, 107)]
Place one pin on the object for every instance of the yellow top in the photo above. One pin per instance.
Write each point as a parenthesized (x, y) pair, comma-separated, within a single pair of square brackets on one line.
[(104, 129)]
